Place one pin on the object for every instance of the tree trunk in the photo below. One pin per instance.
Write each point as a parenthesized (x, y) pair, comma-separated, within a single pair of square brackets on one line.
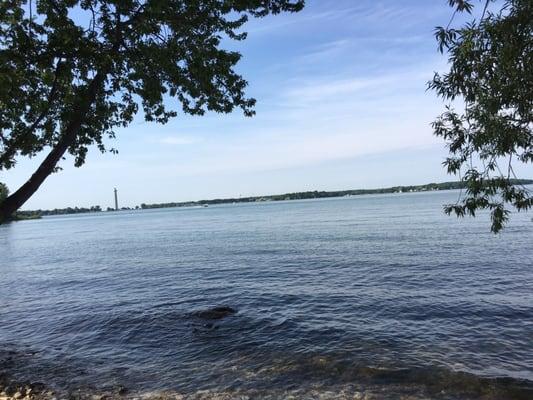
[(13, 202)]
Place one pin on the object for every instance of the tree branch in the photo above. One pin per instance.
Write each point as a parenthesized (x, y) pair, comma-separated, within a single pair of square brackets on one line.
[(11, 150), (18, 198)]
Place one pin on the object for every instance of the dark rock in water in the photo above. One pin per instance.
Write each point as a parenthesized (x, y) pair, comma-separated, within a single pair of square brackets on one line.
[(216, 313)]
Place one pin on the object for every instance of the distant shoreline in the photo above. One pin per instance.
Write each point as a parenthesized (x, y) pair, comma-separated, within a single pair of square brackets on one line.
[(35, 214)]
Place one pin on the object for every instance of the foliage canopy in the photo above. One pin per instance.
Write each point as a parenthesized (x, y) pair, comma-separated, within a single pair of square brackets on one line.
[(491, 77)]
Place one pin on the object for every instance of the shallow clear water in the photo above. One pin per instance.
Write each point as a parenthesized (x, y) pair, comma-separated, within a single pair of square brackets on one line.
[(370, 292)]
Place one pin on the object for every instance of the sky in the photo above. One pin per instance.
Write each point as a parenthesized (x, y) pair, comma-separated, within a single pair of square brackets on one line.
[(341, 104)]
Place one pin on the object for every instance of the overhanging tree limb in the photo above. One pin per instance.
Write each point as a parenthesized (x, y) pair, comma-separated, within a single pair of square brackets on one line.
[(11, 149), (491, 72), (47, 166)]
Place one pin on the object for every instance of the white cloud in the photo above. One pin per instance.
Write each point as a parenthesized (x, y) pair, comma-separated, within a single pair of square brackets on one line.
[(322, 88)]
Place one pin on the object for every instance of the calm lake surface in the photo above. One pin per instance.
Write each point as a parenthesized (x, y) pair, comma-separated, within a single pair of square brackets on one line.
[(381, 294)]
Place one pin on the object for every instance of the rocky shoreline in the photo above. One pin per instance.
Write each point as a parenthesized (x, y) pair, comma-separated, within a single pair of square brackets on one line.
[(39, 391), (10, 390), (14, 390), (452, 387), (23, 391)]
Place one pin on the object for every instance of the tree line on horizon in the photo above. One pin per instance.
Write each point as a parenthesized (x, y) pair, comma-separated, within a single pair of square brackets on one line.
[(315, 194)]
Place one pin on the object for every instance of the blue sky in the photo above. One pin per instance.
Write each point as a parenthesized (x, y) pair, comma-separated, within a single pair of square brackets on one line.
[(342, 103)]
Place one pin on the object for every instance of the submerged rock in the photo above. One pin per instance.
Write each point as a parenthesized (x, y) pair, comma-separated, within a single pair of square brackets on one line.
[(216, 313)]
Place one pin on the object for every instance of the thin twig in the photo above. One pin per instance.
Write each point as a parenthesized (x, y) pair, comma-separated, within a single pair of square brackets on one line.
[(451, 19), (31, 19), (484, 10)]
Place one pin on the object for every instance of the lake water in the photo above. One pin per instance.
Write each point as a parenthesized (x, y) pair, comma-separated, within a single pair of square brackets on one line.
[(380, 296)]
